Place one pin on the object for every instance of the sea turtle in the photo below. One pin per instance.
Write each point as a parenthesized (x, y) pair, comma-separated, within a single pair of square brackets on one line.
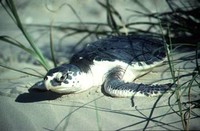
[(112, 63)]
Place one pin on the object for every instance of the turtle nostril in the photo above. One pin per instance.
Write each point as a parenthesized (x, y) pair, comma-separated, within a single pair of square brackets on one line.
[(45, 78)]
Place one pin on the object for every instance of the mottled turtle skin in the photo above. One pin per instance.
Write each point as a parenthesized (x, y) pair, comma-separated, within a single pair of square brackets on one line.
[(112, 63)]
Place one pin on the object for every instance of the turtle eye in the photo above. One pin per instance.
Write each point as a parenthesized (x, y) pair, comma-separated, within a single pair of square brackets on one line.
[(61, 77)]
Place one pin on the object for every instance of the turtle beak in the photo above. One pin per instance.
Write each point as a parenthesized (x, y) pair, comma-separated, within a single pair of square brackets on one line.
[(51, 82), (39, 86), (47, 82)]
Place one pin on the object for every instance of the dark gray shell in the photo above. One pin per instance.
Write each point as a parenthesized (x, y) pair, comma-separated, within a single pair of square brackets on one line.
[(129, 49)]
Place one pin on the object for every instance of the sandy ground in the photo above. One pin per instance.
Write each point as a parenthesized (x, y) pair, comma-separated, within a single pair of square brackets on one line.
[(24, 109)]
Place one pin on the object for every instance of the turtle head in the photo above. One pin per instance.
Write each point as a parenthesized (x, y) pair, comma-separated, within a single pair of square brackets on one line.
[(63, 79)]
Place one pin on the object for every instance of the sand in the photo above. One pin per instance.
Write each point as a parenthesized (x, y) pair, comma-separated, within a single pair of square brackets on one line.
[(22, 108)]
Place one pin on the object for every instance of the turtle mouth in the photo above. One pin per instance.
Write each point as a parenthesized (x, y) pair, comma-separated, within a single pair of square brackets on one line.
[(54, 86), (61, 90)]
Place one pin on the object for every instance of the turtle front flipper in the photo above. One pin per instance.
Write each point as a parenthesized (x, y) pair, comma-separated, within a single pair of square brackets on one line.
[(115, 86)]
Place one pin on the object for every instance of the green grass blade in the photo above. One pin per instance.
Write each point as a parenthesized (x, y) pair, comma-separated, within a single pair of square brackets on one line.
[(10, 68), (13, 10), (16, 43), (110, 16), (97, 116), (9, 13), (52, 48)]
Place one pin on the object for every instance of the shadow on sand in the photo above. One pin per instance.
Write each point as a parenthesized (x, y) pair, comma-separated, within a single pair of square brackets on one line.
[(35, 95)]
